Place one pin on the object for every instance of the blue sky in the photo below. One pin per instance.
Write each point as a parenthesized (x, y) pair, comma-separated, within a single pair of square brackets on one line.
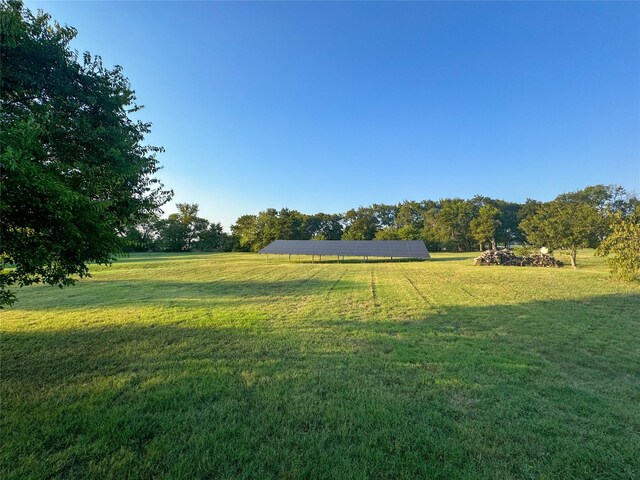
[(328, 106)]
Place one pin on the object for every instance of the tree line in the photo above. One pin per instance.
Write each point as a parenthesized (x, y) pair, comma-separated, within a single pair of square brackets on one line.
[(571, 221)]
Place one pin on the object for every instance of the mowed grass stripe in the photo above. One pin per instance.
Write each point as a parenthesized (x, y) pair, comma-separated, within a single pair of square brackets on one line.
[(235, 366)]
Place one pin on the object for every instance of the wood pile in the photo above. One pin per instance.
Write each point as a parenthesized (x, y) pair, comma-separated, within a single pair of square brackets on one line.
[(541, 260), (497, 257), (507, 257)]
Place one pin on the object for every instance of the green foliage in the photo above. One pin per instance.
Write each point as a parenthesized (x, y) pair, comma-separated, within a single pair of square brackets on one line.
[(213, 239), (323, 226), (622, 246), (181, 230), (563, 224), (449, 224), (361, 224), (524, 250), (74, 171), (245, 231), (483, 227), (528, 209), (388, 234), (386, 215)]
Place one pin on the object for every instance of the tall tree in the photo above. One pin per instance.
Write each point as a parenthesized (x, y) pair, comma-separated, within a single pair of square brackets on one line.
[(323, 226), (562, 224), (194, 226), (172, 234), (246, 231), (483, 227), (385, 214), (410, 215), (508, 231), (361, 224), (622, 245), (74, 169), (610, 201), (212, 239), (453, 223)]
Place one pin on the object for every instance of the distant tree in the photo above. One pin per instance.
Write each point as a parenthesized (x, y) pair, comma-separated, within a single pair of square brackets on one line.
[(323, 226), (453, 223), (483, 227), (141, 237), (213, 239), (390, 233), (75, 173), (181, 230), (622, 245), (607, 199), (268, 229), (508, 231), (385, 214), (410, 214), (361, 224), (611, 202), (528, 209), (194, 225), (172, 234), (432, 233), (562, 224), (133, 241), (290, 225), (408, 232), (245, 231)]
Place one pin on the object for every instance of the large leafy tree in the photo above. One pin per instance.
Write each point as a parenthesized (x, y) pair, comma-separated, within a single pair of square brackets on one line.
[(194, 225), (181, 230), (171, 234), (74, 169), (386, 214), (361, 224), (245, 230), (213, 239), (323, 226), (483, 227), (453, 223), (611, 201), (622, 246), (563, 224)]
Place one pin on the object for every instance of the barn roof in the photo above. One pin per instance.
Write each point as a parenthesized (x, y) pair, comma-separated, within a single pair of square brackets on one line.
[(350, 248)]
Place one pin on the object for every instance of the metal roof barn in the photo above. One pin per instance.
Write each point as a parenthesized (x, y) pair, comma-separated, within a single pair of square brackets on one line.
[(350, 248)]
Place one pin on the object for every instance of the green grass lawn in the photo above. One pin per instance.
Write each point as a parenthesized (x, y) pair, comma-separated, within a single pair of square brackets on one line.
[(237, 366)]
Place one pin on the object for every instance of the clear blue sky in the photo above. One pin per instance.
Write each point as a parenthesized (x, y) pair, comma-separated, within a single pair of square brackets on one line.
[(328, 106)]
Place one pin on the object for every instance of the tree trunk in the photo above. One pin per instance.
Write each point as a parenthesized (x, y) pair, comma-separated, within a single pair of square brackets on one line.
[(493, 244), (481, 246), (573, 254)]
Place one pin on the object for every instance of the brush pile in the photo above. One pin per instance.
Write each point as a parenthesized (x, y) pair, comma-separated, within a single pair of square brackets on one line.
[(497, 257), (507, 257)]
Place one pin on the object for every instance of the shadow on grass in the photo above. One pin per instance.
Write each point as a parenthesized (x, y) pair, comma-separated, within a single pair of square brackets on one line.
[(470, 392), (130, 293), (439, 258), (160, 257)]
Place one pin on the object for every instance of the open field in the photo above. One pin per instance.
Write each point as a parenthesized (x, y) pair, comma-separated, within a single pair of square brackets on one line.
[(235, 366)]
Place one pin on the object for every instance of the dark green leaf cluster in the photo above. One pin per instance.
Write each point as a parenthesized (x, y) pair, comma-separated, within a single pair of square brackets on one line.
[(74, 170), (577, 219), (253, 232), (622, 245)]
